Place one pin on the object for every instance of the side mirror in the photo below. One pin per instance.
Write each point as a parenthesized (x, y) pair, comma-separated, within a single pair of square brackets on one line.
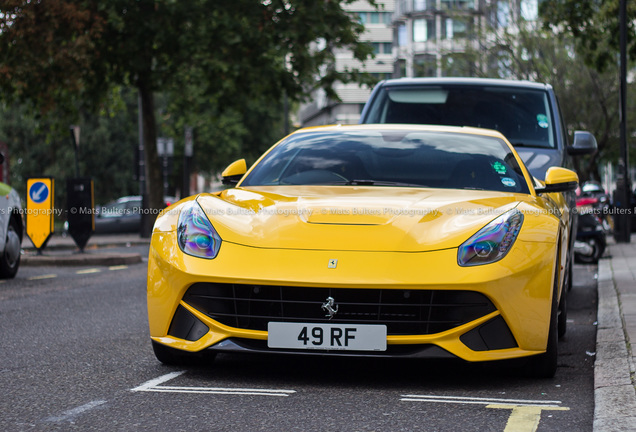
[(584, 143), (233, 173), (559, 179)]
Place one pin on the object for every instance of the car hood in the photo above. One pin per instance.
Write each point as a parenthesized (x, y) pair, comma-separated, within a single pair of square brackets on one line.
[(352, 218)]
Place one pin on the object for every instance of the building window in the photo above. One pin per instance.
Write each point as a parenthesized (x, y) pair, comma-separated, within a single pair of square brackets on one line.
[(423, 30), (382, 47), (382, 75), (458, 4), (374, 17), (424, 66), (503, 13), (399, 68), (422, 5), (456, 64), (530, 10), (401, 33), (455, 28)]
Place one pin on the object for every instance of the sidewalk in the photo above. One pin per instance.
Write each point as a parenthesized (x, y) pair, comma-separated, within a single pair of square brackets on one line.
[(62, 251), (614, 379)]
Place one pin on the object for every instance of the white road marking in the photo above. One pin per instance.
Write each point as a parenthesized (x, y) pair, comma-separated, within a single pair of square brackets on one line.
[(154, 386), (477, 400), (72, 413), (118, 267), (155, 382)]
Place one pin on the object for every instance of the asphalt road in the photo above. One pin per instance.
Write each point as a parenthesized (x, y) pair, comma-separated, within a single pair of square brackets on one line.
[(75, 355)]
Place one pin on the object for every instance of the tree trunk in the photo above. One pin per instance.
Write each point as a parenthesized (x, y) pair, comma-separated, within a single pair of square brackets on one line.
[(153, 201)]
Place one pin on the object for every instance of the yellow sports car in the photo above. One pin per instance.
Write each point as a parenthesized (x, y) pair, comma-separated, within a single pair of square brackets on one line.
[(368, 240)]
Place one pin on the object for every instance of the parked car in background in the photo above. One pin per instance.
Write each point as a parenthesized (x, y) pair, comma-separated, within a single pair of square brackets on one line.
[(527, 113), (120, 216), (11, 230)]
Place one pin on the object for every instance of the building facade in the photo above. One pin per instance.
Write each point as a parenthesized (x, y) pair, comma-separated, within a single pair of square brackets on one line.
[(379, 32)]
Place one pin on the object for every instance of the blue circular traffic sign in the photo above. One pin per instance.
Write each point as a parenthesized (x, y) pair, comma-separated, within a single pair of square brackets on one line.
[(39, 192)]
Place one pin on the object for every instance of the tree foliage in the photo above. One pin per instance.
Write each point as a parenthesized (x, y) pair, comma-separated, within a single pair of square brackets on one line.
[(40, 146), (68, 54), (595, 26)]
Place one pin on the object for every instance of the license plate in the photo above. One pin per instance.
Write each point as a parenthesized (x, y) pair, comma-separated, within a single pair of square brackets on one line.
[(351, 337)]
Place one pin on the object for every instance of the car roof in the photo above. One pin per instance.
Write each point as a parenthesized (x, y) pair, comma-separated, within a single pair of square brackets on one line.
[(464, 81), (401, 127)]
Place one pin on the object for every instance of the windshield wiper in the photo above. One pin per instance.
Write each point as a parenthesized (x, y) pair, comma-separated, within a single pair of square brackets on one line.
[(367, 182), (522, 144)]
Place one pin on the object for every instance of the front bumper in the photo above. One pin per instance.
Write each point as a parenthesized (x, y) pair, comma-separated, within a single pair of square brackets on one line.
[(519, 289)]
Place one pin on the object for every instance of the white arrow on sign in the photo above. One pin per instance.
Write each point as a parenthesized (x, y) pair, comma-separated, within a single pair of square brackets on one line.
[(35, 195)]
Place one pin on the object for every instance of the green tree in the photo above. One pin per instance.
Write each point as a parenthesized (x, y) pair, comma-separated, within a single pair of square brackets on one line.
[(594, 26), (41, 146), (59, 52)]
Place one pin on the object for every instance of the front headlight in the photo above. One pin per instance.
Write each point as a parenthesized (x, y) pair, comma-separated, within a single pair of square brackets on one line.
[(492, 242), (195, 234)]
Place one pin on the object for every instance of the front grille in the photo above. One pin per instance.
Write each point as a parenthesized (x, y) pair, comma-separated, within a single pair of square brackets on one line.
[(403, 311)]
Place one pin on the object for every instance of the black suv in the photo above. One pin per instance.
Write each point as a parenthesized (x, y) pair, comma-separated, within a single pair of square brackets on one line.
[(526, 113)]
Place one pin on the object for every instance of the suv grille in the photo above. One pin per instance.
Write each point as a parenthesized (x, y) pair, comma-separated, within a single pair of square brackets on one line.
[(403, 311)]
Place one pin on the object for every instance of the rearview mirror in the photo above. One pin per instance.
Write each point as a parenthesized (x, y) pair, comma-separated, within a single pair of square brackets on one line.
[(233, 173), (559, 179), (584, 143)]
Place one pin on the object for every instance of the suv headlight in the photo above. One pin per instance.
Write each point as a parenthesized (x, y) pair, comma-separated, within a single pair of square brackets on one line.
[(195, 234), (492, 242)]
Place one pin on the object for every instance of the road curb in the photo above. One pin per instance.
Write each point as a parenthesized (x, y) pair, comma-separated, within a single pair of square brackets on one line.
[(81, 259), (614, 394)]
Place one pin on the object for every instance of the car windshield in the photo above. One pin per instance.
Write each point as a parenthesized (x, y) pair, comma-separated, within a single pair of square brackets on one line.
[(391, 158), (522, 115)]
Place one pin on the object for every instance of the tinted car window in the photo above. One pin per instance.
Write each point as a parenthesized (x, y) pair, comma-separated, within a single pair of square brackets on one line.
[(391, 158), (522, 115)]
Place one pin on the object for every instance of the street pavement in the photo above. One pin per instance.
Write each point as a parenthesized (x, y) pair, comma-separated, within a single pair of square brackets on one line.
[(62, 251), (614, 373), (614, 367)]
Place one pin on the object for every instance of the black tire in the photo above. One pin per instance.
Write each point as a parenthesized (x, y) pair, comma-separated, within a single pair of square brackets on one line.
[(10, 258), (597, 252), (567, 286), (563, 314), (173, 357)]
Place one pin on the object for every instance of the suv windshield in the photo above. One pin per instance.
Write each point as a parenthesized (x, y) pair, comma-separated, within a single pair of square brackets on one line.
[(391, 158), (522, 115)]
